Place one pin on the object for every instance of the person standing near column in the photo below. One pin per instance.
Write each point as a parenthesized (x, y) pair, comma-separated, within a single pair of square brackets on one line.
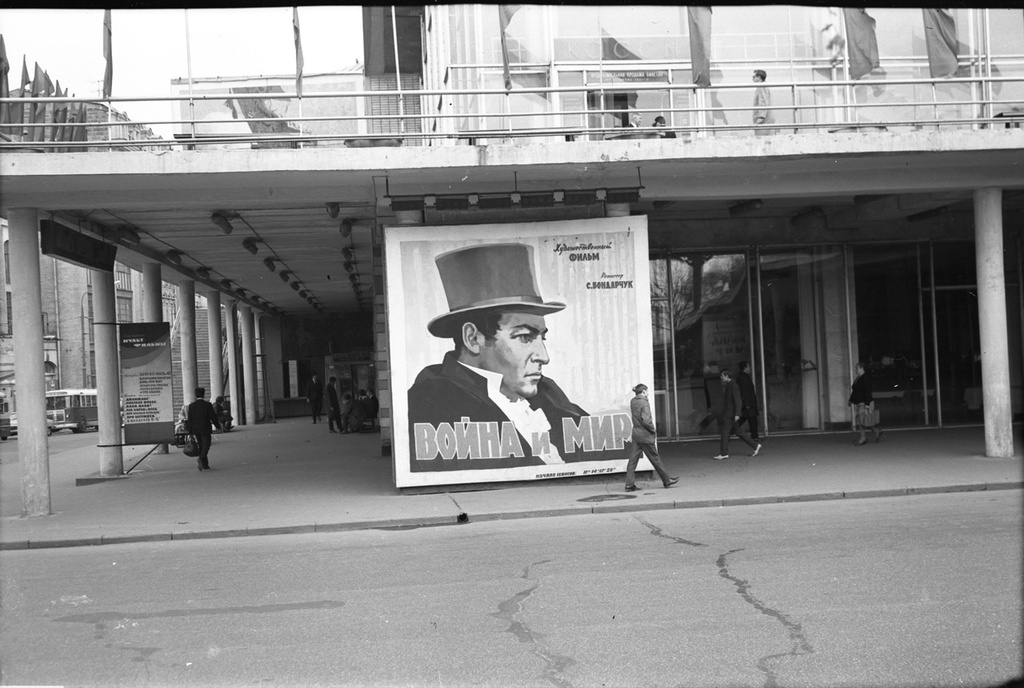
[(645, 439), (748, 394), (315, 397)]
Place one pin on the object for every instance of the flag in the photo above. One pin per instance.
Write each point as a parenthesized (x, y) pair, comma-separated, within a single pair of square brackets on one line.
[(505, 13), (940, 40), (37, 112), (60, 117), (80, 134), (862, 44), (17, 110), (108, 55), (299, 62), (5, 88), (612, 49), (699, 19)]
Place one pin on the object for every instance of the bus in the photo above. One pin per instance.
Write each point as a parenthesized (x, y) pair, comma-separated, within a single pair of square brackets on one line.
[(72, 409)]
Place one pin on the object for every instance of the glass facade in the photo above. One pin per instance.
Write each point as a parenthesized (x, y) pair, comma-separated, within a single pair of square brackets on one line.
[(803, 319), (610, 50)]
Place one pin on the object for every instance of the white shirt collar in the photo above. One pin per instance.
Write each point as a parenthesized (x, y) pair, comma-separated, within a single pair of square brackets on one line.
[(528, 421)]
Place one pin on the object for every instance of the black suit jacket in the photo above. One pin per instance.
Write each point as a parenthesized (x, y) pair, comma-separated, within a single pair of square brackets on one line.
[(449, 392), (201, 417)]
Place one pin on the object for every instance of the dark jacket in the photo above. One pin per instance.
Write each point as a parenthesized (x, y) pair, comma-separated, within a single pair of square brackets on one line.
[(315, 393), (747, 394), (862, 392), (731, 402), (332, 398), (643, 423), (201, 416), (448, 392)]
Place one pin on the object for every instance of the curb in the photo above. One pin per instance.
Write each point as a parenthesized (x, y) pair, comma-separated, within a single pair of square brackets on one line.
[(435, 521)]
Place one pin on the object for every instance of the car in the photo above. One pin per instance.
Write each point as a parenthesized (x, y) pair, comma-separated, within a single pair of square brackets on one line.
[(12, 425)]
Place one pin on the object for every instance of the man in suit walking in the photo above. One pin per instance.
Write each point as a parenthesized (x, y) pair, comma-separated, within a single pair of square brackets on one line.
[(645, 439), (729, 415), (315, 397), (201, 418)]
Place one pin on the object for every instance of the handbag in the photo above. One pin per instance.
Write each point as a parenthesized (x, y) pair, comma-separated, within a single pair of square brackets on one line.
[(191, 446), (867, 417)]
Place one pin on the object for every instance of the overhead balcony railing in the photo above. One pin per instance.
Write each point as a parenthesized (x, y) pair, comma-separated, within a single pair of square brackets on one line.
[(457, 116)]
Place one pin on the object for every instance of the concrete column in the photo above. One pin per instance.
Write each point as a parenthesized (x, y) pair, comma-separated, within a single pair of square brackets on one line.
[(187, 338), (153, 310), (108, 374), (216, 345), (273, 356), (234, 393), (616, 209), (152, 293), (260, 366), (995, 356), (29, 371), (3, 300), (248, 363)]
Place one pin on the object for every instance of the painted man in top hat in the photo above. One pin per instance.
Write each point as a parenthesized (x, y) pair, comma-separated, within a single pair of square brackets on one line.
[(494, 375)]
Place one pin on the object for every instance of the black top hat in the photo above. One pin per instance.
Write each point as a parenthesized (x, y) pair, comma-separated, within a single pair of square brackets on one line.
[(488, 276)]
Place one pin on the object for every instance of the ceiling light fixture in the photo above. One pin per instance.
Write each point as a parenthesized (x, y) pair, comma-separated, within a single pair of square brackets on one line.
[(745, 207), (295, 286), (127, 235), (349, 267), (354, 279), (223, 221), (269, 262), (285, 275), (812, 218), (203, 273), (303, 294), (173, 257), (225, 284), (928, 214), (348, 254), (250, 246), (346, 228), (333, 209)]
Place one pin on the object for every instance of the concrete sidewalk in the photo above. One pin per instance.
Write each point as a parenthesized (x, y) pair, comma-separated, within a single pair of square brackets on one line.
[(295, 477)]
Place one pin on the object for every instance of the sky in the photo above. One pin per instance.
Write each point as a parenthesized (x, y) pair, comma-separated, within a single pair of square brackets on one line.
[(150, 48)]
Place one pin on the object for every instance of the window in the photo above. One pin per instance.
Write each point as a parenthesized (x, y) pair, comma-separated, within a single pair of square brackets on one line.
[(122, 277), (7, 262), (124, 309)]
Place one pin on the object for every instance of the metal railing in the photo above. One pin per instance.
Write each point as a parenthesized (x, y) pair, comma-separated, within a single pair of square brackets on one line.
[(799, 107)]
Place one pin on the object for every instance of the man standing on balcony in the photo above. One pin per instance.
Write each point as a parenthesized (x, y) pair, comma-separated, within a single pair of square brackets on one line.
[(762, 101)]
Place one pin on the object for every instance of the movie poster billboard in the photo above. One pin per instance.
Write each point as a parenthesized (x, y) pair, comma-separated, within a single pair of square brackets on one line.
[(515, 347), (147, 399)]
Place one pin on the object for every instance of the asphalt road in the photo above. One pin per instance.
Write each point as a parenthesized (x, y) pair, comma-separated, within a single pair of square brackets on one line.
[(908, 591)]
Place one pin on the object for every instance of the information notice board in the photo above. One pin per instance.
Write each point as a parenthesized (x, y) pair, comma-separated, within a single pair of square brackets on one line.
[(147, 401)]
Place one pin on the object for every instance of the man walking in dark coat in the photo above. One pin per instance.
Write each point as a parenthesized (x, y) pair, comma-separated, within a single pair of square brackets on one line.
[(749, 396), (645, 439), (201, 419), (333, 407), (315, 397), (729, 415)]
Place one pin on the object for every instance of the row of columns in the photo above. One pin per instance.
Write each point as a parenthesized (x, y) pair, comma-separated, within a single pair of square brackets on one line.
[(33, 450)]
